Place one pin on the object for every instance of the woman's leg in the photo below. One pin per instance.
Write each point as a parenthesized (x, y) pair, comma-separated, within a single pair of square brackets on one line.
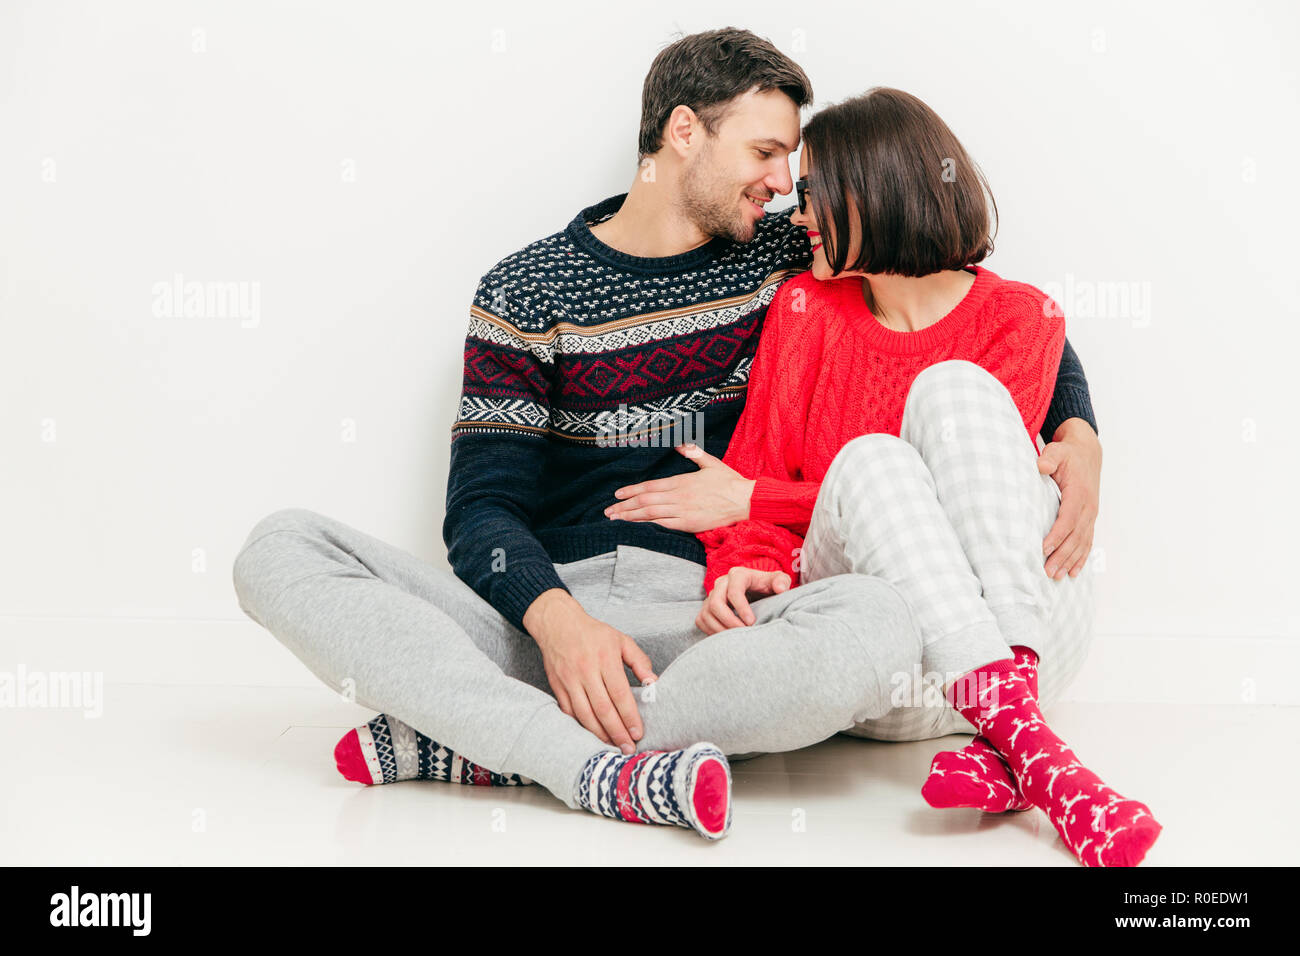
[(969, 432), (981, 481), (879, 513)]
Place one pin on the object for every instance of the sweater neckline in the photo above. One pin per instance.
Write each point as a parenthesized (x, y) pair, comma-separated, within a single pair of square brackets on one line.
[(579, 230), (855, 307)]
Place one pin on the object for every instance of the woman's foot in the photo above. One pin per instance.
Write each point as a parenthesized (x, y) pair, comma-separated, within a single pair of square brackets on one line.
[(977, 776), (685, 788), (1100, 826), (385, 750)]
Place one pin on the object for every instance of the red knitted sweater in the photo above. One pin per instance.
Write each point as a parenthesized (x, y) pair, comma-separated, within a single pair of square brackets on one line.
[(827, 371)]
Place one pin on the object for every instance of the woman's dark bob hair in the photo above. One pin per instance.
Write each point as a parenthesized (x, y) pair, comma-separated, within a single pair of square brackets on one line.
[(887, 162)]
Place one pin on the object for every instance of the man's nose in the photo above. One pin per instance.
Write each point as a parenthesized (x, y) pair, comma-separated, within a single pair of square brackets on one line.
[(780, 183)]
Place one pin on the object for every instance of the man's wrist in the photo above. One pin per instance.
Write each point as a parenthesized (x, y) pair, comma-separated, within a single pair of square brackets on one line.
[(552, 608), (1074, 429)]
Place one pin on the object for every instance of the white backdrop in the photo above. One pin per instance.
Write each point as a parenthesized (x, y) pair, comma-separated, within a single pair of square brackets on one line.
[(355, 167)]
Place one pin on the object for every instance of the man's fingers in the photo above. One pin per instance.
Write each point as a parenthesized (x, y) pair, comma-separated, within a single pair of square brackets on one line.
[(1050, 459), (606, 712), (1067, 520), (1059, 531), (1085, 553), (584, 714), (620, 694), (1063, 557), (638, 660), (561, 695)]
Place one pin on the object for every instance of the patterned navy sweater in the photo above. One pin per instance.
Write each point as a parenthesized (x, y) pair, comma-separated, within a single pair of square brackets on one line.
[(583, 367)]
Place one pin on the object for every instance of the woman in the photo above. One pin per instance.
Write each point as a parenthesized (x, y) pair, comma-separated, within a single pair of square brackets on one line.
[(890, 431)]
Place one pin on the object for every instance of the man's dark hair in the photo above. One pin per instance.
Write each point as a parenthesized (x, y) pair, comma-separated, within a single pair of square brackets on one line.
[(888, 161), (706, 71)]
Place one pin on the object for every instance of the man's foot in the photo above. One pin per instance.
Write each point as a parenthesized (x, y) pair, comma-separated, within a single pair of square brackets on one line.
[(976, 776), (385, 750), (685, 788)]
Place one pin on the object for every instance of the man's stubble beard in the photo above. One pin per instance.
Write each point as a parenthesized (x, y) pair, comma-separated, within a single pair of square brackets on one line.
[(703, 204)]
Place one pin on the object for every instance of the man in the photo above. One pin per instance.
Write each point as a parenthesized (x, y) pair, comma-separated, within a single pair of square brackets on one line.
[(646, 307)]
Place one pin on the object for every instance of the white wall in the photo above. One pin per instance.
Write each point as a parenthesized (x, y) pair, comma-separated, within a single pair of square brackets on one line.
[(362, 165)]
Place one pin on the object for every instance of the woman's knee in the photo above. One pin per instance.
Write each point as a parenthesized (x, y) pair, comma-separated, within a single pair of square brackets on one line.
[(932, 390), (872, 454)]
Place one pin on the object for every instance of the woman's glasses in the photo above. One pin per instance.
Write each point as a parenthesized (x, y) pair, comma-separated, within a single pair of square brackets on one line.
[(801, 187)]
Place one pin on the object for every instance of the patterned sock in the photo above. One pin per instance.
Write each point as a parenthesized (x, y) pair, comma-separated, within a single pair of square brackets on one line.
[(1101, 827), (386, 750), (686, 788), (977, 775)]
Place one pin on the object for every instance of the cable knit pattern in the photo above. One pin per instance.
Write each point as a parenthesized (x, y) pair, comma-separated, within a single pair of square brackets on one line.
[(827, 371)]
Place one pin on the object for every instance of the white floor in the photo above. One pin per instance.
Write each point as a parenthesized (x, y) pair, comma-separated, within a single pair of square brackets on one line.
[(193, 774)]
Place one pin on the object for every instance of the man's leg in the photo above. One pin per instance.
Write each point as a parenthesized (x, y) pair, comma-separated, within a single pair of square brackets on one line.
[(819, 658), (401, 636)]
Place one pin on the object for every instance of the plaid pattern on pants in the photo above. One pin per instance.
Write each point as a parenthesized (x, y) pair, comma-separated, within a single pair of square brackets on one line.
[(953, 513)]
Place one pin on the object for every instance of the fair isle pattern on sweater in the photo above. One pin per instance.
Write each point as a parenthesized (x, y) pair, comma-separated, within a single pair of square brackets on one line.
[(558, 340), (583, 366), (571, 343)]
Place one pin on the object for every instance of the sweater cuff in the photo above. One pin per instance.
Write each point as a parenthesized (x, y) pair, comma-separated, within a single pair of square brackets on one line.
[(758, 562), (1066, 403), (518, 588), (778, 502)]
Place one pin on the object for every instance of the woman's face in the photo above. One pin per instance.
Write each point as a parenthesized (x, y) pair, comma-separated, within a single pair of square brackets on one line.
[(821, 267)]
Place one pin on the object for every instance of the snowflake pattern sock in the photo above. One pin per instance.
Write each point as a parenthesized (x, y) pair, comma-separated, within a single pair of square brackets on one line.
[(977, 775), (685, 788), (1100, 827), (385, 750)]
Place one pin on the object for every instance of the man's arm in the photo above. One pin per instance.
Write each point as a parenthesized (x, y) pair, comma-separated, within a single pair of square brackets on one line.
[(498, 456), (491, 500), (1072, 456), (1070, 398)]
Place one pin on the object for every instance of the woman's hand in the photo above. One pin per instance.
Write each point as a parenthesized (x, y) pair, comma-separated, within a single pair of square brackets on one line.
[(1073, 459), (728, 603), (713, 497)]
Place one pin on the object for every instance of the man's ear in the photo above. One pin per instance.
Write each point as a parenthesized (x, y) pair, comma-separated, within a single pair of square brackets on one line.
[(682, 131)]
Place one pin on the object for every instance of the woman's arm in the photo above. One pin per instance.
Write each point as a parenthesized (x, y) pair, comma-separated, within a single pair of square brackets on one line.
[(759, 477), (760, 545)]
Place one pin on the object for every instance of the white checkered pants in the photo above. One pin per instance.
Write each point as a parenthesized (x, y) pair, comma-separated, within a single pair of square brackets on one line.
[(953, 513)]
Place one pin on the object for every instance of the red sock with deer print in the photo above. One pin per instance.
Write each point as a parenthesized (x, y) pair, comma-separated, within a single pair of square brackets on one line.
[(1101, 827), (977, 775)]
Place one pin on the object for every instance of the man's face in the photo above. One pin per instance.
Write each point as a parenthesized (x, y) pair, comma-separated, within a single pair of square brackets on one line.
[(730, 176)]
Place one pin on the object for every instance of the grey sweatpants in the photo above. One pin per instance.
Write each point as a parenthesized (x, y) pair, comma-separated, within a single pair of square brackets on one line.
[(403, 637)]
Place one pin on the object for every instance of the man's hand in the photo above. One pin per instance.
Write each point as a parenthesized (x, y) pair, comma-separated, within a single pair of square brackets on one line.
[(1073, 459), (728, 603), (584, 661), (713, 497)]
